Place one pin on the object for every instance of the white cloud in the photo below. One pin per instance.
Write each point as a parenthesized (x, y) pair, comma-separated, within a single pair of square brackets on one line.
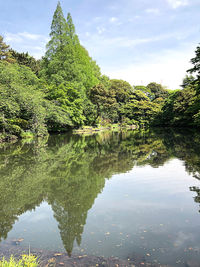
[(24, 41), (177, 3), (154, 11), (102, 42), (113, 19), (11, 37), (100, 29), (168, 69), (113, 7), (22, 36), (30, 36), (97, 18), (126, 42)]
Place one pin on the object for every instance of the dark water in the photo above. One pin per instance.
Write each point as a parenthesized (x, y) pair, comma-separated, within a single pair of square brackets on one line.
[(127, 194)]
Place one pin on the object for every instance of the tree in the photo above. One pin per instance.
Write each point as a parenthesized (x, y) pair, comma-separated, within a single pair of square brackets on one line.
[(157, 90), (26, 60), (145, 90), (188, 80), (23, 105), (71, 30), (196, 63), (52, 62), (21, 102), (5, 54), (196, 69), (57, 34), (121, 89), (180, 108), (66, 59), (139, 109), (69, 96), (105, 102), (68, 69)]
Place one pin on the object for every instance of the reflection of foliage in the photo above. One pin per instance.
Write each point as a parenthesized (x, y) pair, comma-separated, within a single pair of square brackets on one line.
[(197, 190), (70, 172)]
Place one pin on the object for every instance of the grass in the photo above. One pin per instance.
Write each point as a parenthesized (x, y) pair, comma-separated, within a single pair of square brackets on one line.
[(25, 261)]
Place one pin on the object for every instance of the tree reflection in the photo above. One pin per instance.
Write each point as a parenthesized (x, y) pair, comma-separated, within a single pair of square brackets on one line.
[(197, 190), (70, 171)]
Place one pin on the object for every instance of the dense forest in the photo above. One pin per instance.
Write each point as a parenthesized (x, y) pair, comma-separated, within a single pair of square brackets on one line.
[(65, 90)]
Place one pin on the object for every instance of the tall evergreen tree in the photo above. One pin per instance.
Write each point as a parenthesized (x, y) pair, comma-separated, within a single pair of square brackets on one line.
[(58, 65), (65, 58), (58, 33), (5, 54), (67, 67), (71, 30)]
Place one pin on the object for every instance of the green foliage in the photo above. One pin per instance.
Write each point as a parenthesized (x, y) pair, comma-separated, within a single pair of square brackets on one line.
[(68, 69), (188, 80), (5, 54), (145, 90), (121, 90), (25, 261), (196, 63), (58, 64), (181, 108), (166, 115), (23, 106), (105, 102), (56, 119), (90, 112), (69, 96), (20, 99), (139, 109), (26, 60), (157, 90), (121, 103), (66, 90), (65, 58)]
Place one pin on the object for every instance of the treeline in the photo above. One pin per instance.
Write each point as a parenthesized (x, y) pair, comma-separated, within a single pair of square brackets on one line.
[(65, 89)]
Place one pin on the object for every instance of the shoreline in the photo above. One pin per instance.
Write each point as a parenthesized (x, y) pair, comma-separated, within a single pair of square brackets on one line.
[(10, 138), (93, 130), (55, 258)]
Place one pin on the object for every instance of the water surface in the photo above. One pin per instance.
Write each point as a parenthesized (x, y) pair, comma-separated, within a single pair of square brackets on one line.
[(127, 195)]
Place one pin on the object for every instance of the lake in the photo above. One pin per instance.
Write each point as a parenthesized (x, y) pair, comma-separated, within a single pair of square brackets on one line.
[(129, 194)]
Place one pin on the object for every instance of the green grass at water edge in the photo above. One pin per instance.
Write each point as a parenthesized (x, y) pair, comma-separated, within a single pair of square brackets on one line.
[(25, 261)]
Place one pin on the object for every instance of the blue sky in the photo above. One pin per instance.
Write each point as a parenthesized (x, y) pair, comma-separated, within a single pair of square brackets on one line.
[(139, 41)]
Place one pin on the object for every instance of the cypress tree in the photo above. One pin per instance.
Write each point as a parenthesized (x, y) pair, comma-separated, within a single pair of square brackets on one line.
[(58, 33), (71, 30), (66, 59), (58, 64), (67, 67)]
